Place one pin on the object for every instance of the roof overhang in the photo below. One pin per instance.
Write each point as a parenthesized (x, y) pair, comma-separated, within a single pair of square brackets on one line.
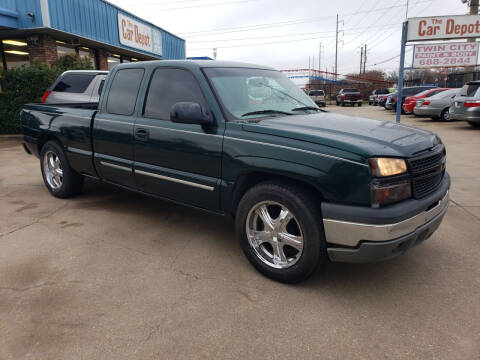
[(74, 40)]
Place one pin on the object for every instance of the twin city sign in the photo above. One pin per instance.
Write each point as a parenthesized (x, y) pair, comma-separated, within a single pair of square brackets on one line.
[(447, 54)]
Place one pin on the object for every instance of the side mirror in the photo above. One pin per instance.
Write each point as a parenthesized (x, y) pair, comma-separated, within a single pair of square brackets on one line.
[(189, 113)]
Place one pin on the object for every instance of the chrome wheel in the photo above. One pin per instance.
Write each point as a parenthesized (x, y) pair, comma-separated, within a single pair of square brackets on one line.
[(274, 234), (445, 115), (53, 170)]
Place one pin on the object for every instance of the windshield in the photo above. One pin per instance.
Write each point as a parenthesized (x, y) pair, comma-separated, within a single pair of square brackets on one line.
[(316, 93), (255, 93), (350, 90)]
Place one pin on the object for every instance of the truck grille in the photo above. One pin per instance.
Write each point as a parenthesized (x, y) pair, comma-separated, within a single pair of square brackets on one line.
[(423, 187), (427, 171)]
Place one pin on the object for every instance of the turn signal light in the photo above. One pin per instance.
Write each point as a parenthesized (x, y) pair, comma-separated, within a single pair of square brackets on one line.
[(473, 103), (426, 102)]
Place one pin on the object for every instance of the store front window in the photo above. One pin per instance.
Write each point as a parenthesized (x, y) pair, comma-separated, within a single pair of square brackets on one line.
[(15, 52), (113, 60), (87, 52), (64, 49)]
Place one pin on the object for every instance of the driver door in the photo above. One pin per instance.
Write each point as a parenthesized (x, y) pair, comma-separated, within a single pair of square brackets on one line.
[(178, 161)]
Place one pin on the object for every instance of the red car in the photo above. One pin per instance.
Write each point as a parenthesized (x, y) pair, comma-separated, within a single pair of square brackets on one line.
[(410, 101)]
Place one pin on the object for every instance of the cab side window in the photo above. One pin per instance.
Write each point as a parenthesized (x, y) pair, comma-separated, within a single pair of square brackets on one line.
[(123, 91), (167, 87)]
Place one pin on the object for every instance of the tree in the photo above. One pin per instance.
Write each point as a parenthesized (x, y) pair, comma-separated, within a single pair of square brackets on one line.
[(27, 84)]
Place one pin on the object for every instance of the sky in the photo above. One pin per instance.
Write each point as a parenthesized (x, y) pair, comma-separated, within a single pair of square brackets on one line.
[(283, 34)]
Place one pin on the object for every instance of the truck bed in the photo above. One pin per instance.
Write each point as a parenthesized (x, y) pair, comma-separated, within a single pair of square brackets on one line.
[(70, 123)]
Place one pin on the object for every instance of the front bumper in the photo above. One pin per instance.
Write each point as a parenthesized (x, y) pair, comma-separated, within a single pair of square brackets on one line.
[(385, 232), (390, 105), (348, 101)]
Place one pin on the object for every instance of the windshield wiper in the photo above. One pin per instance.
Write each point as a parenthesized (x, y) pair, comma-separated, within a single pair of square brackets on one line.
[(267, 111), (308, 108)]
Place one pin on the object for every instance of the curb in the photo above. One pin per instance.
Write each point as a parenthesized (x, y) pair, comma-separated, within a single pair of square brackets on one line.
[(17, 137)]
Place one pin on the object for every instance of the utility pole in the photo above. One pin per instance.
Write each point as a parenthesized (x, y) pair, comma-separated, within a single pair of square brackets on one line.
[(320, 57), (336, 49), (470, 69), (364, 58), (361, 60)]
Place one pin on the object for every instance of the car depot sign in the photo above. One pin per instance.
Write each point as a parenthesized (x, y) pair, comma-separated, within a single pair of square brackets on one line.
[(135, 34), (443, 27), (445, 55)]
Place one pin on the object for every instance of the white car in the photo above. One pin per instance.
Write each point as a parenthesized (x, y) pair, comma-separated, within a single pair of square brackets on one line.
[(318, 96)]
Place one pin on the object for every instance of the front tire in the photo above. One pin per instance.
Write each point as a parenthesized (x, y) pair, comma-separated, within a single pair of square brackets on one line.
[(280, 231), (59, 178)]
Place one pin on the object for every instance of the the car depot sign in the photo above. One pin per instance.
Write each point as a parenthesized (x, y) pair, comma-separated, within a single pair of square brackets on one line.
[(443, 27), (137, 35), (445, 54)]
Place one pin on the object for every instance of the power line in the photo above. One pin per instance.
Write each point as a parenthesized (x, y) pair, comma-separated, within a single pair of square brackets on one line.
[(283, 35), (195, 6), (254, 44), (290, 22)]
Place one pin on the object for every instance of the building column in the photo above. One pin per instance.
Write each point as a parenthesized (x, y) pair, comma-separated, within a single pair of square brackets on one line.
[(42, 48), (102, 59)]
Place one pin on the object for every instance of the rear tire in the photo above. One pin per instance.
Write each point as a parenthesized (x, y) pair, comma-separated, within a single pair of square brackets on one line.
[(59, 178), (280, 231), (474, 124)]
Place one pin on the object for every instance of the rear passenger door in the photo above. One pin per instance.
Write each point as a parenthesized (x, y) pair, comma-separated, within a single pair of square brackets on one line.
[(177, 161), (113, 128)]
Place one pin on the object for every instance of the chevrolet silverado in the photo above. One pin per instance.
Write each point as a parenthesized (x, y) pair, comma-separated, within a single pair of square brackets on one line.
[(304, 186)]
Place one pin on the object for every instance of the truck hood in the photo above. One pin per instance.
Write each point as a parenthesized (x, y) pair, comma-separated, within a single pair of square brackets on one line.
[(361, 136)]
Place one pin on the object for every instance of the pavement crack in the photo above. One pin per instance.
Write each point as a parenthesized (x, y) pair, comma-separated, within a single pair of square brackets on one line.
[(465, 209), (48, 283), (20, 228)]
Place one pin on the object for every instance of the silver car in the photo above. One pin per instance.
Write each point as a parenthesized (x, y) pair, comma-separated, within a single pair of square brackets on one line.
[(76, 86), (437, 106), (466, 104)]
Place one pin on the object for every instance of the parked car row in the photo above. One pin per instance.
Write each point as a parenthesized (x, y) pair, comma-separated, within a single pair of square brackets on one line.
[(438, 103)]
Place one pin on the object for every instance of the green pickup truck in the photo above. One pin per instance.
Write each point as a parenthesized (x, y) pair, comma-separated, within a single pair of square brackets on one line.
[(304, 186)]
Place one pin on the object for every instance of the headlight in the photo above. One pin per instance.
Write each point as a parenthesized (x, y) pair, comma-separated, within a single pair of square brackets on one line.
[(382, 167)]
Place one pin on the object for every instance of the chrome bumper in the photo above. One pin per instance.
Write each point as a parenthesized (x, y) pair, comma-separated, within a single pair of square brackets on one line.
[(351, 234)]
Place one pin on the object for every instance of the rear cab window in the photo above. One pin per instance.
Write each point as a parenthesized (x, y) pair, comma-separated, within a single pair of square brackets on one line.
[(123, 92), (74, 83)]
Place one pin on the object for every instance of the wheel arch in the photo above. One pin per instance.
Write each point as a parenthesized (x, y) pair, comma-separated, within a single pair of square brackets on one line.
[(247, 181), (46, 137)]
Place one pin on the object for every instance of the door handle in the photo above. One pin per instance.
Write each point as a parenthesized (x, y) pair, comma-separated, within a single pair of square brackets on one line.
[(141, 134)]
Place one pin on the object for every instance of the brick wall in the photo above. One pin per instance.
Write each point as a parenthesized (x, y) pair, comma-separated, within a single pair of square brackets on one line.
[(42, 48), (102, 59)]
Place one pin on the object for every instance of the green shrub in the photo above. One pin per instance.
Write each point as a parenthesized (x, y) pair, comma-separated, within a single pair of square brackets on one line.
[(27, 85)]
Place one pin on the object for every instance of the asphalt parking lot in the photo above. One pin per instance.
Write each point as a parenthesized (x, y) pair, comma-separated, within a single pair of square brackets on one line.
[(113, 275)]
